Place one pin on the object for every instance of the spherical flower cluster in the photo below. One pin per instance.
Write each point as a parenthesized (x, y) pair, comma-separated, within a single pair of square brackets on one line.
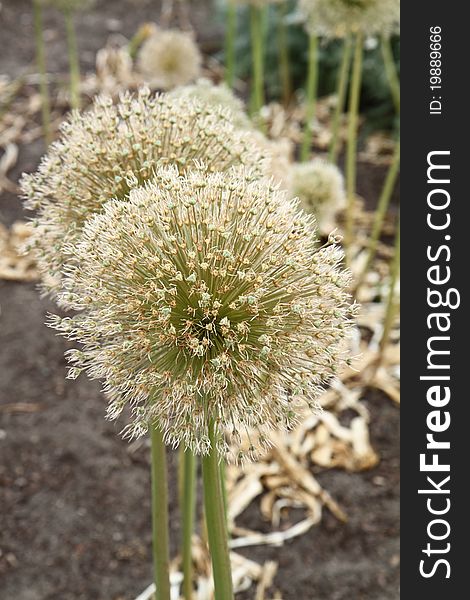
[(337, 18), (319, 185), (277, 152), (105, 152), (210, 94), (205, 298), (278, 158), (168, 59)]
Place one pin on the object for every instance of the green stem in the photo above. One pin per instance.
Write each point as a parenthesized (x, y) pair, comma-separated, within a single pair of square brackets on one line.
[(351, 150), (380, 213), (216, 522), (311, 93), (391, 71), (74, 66), (284, 63), (391, 303), (137, 39), (161, 554), (223, 483), (41, 63), (257, 49), (230, 34), (188, 506), (340, 97)]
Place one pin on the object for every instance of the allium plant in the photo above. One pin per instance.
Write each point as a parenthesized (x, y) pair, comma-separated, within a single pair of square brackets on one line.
[(208, 93), (110, 149), (350, 19), (337, 18), (207, 306), (206, 299), (320, 187), (168, 59)]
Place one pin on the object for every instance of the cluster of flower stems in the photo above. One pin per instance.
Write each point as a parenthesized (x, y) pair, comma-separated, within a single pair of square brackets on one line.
[(349, 77)]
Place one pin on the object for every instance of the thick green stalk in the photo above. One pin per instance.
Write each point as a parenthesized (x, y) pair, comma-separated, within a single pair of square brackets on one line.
[(216, 522), (257, 50), (160, 536), (391, 303), (351, 149), (74, 67), (311, 96), (380, 213), (188, 507), (41, 63), (391, 71), (223, 484), (230, 34), (284, 62), (343, 74)]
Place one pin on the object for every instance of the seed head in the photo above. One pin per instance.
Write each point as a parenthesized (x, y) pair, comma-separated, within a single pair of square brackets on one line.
[(277, 152), (107, 151), (168, 59), (337, 18), (278, 157), (207, 93), (206, 297), (320, 187)]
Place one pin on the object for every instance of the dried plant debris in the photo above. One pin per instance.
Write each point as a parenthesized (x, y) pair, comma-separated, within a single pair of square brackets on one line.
[(7, 161), (14, 265), (246, 574), (379, 149)]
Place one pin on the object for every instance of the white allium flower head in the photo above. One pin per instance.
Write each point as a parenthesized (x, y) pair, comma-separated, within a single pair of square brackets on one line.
[(319, 185), (205, 298), (337, 18), (278, 154), (206, 92), (169, 58), (105, 152)]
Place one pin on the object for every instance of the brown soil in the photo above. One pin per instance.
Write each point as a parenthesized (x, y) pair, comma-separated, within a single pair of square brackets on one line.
[(75, 497)]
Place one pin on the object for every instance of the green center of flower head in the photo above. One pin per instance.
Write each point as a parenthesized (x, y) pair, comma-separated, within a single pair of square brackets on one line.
[(210, 328), (168, 62)]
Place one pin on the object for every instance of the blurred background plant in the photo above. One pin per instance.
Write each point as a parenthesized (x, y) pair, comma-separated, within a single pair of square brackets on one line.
[(376, 101)]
